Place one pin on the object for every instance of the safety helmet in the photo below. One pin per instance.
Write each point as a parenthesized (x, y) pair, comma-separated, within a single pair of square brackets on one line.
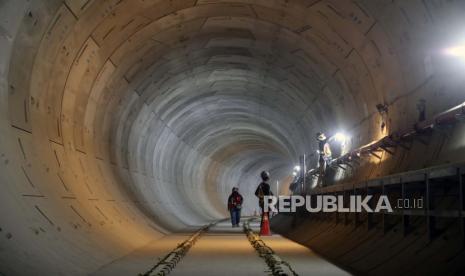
[(320, 136), (265, 175)]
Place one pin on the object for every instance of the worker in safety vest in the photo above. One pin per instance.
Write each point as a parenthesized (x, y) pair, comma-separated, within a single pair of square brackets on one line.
[(234, 206)]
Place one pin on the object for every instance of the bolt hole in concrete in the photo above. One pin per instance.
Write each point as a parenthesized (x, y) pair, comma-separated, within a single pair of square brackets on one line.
[(125, 124)]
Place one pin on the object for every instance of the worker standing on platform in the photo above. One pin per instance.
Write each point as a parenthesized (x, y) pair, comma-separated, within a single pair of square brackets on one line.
[(234, 206), (263, 190), (324, 152)]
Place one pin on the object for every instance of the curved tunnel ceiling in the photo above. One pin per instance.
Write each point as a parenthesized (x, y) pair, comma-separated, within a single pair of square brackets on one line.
[(131, 118)]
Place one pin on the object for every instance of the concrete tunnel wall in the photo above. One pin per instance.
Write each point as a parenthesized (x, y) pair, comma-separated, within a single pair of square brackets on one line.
[(122, 121)]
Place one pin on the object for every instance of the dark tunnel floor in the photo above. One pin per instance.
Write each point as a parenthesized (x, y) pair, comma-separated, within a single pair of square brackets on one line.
[(222, 251)]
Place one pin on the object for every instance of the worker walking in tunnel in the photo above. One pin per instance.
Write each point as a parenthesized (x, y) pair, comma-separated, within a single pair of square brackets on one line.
[(263, 189), (234, 206), (324, 152)]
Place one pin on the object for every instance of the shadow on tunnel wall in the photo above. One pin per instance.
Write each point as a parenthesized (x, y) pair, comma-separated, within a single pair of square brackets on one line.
[(423, 235), (377, 252)]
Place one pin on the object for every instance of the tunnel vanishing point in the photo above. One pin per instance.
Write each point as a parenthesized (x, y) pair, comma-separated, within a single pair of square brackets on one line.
[(125, 121)]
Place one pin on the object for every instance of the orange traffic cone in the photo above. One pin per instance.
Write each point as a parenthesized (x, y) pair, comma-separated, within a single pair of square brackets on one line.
[(265, 225)]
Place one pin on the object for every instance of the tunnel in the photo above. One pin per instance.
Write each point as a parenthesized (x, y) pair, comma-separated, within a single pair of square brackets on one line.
[(125, 124)]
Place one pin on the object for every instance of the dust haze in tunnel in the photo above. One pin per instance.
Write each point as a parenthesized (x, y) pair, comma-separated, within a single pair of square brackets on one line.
[(124, 120)]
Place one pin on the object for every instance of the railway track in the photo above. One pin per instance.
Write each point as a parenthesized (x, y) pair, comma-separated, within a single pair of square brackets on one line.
[(166, 264), (277, 266)]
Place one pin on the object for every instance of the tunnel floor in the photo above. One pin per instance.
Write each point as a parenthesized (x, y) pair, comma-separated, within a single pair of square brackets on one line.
[(222, 251)]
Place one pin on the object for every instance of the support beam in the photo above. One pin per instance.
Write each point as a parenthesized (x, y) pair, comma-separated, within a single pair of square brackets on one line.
[(461, 204), (430, 220), (405, 218)]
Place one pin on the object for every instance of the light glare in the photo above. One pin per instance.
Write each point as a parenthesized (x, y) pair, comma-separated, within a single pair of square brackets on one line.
[(297, 168), (457, 51), (341, 137)]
